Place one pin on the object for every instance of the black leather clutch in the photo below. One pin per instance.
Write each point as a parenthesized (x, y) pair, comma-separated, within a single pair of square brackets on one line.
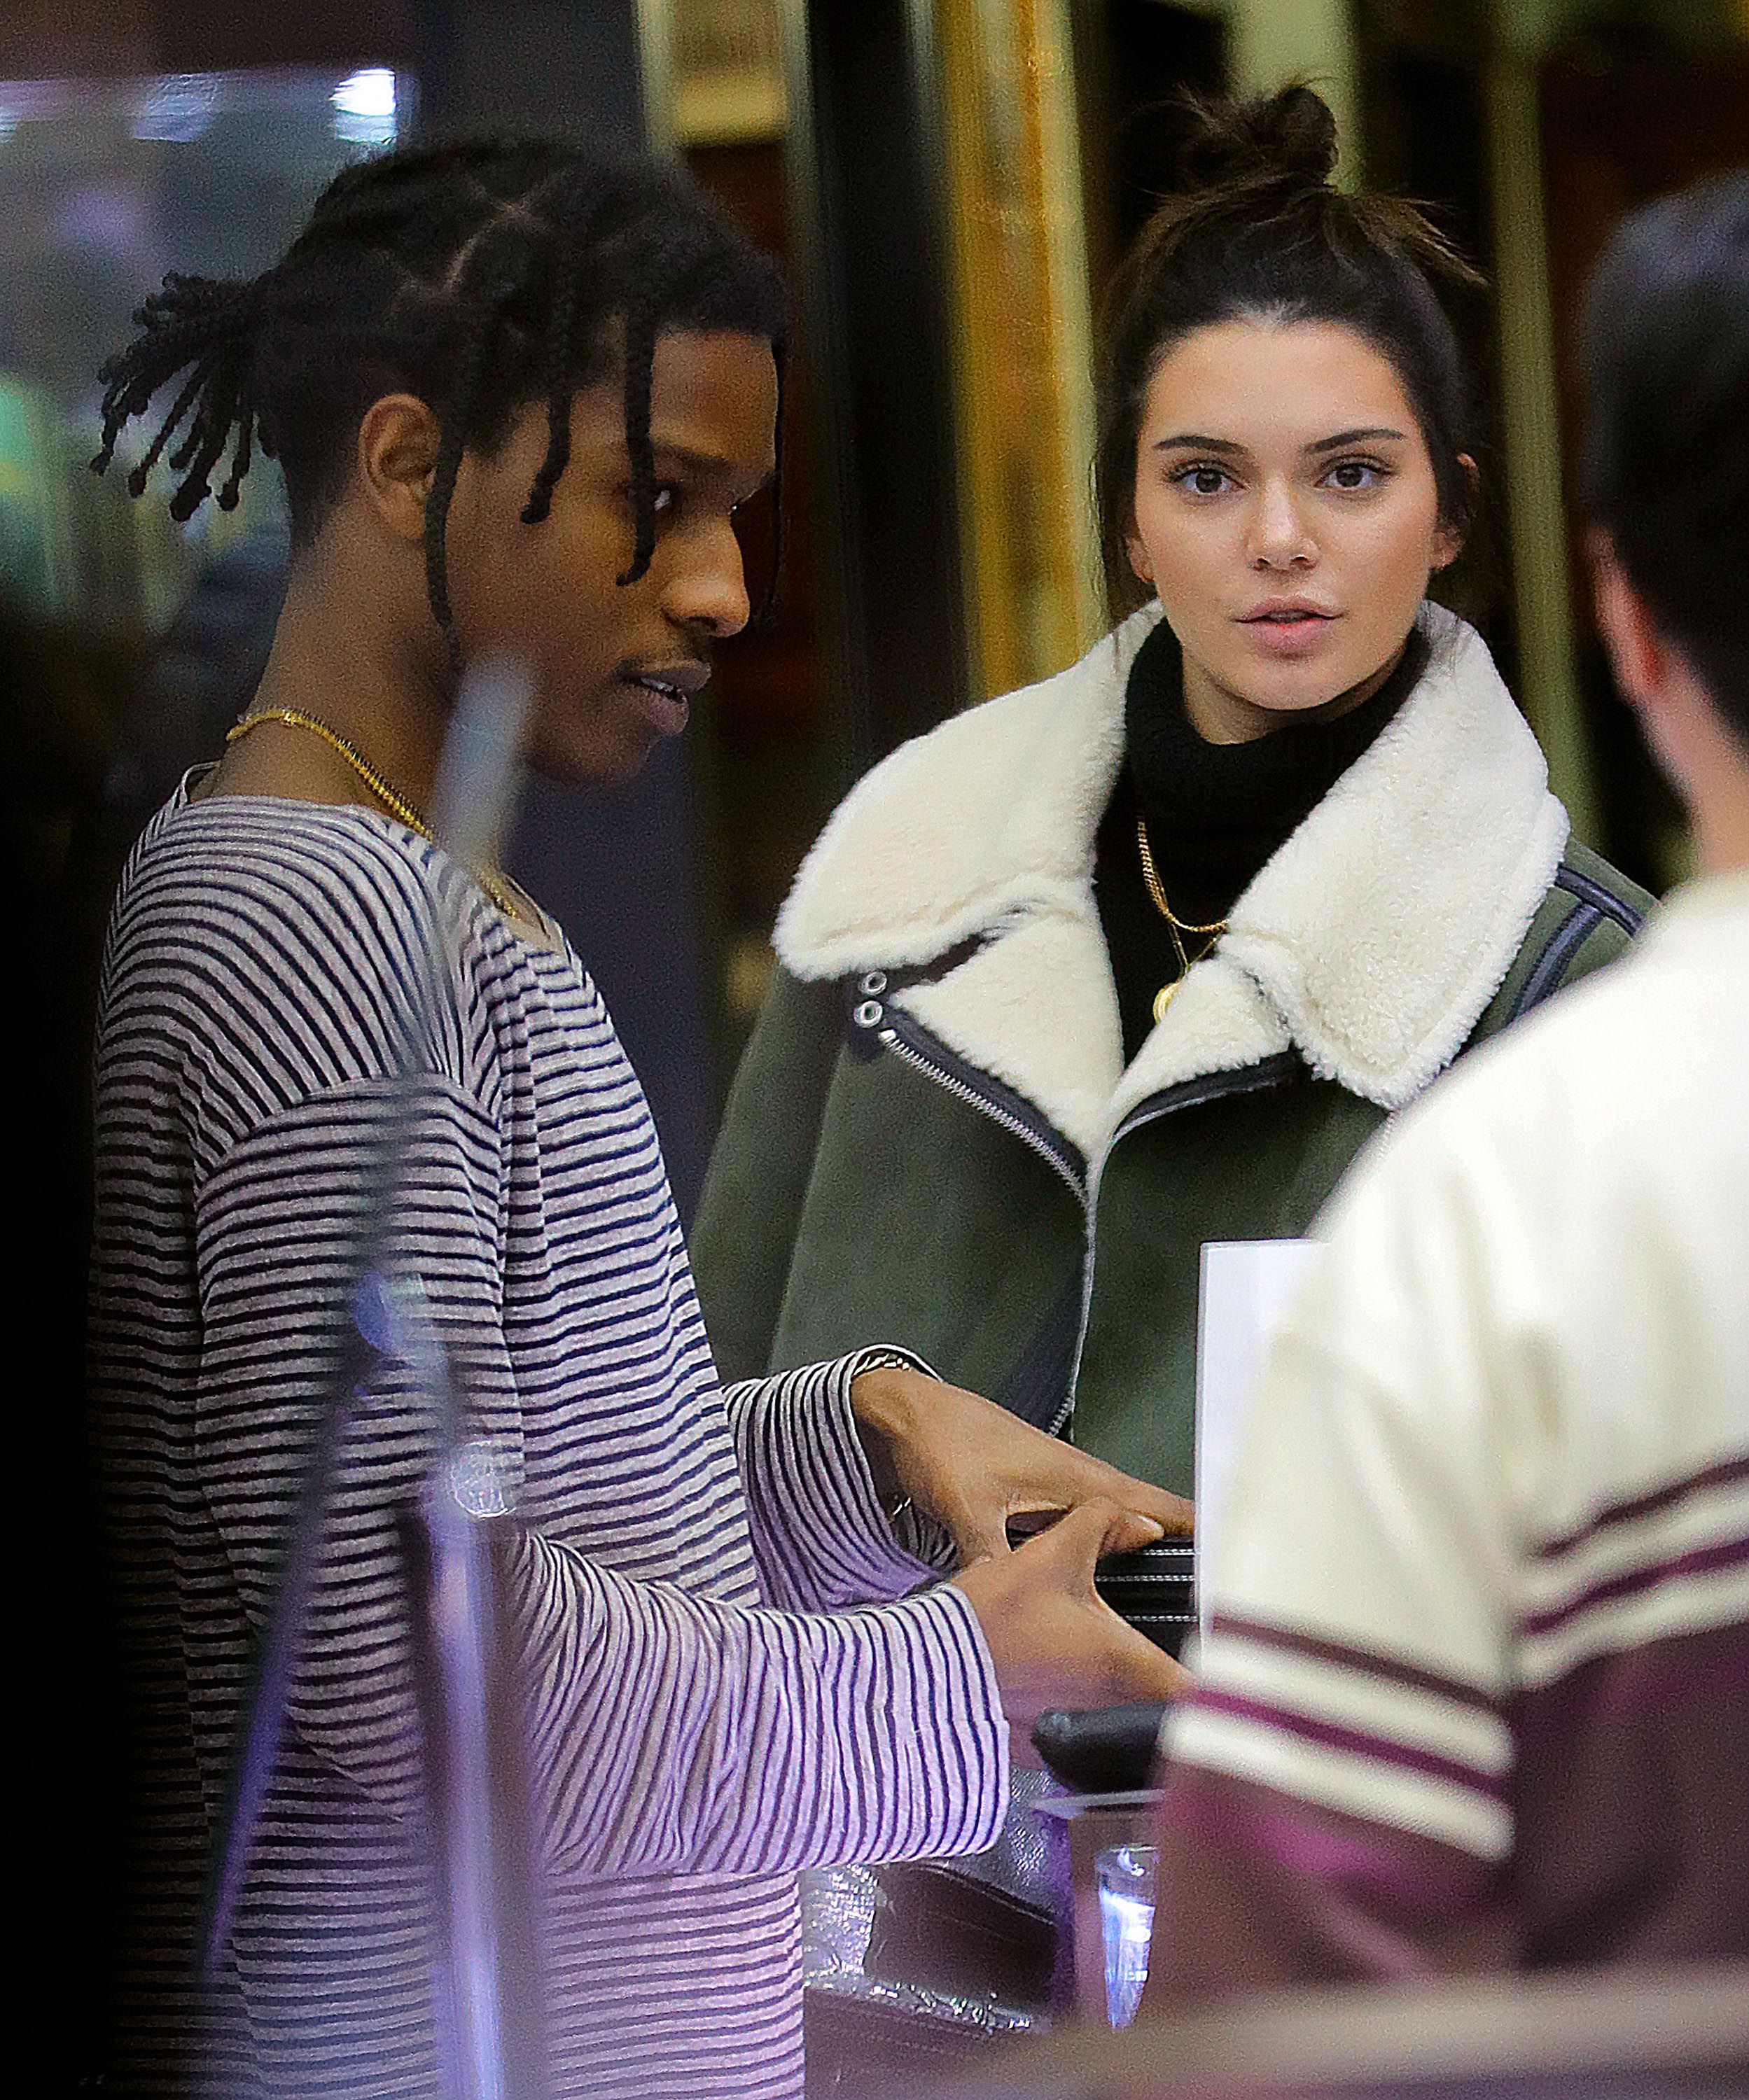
[(1154, 1588), (1111, 1750)]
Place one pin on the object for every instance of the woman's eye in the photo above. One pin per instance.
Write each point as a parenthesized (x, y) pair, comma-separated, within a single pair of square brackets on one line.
[(1356, 474), (1203, 480)]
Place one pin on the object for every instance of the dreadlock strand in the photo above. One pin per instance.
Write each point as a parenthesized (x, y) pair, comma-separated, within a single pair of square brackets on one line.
[(113, 420), (774, 581), (197, 320), (205, 447), (640, 355), (574, 233), (200, 429), (482, 326), (193, 491), (137, 480), (231, 493), (560, 329), (129, 394), (436, 519)]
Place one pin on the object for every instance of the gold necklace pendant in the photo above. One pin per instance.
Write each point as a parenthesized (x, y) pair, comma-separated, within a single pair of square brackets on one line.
[(1167, 992), (1177, 927)]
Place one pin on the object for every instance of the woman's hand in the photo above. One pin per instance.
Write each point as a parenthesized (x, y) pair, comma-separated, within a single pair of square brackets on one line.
[(974, 1467)]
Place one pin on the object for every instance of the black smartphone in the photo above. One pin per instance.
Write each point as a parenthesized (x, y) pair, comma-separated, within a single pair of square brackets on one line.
[(1104, 1749)]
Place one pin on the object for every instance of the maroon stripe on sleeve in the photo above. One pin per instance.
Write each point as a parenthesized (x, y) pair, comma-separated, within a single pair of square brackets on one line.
[(1389, 1669), (1631, 1838), (1258, 1889), (1327, 1845), (1724, 1472), (1722, 1555), (1622, 1692), (1354, 1742)]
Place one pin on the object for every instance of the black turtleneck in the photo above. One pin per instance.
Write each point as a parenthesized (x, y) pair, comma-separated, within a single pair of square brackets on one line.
[(1215, 812)]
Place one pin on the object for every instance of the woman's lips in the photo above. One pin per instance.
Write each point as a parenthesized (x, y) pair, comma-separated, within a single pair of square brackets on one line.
[(1293, 633)]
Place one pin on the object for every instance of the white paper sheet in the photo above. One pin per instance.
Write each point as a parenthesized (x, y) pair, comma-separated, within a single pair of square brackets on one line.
[(1247, 1288)]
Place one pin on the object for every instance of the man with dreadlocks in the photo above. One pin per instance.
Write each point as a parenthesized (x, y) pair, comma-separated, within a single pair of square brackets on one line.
[(516, 394)]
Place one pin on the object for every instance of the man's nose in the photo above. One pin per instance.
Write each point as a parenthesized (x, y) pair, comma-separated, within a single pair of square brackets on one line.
[(707, 582)]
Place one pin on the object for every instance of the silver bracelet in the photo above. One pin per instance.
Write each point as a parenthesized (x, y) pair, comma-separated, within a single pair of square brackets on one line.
[(882, 1360), (885, 1359)]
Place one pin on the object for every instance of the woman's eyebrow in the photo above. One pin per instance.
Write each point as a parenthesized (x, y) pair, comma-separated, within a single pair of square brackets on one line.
[(1197, 442), (1353, 438)]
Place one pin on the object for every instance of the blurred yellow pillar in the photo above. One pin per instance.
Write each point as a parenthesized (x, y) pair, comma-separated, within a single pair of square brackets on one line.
[(1022, 344), (1536, 516)]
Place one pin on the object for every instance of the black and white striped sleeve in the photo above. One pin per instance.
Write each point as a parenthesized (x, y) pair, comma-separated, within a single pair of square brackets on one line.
[(278, 1227), (823, 1540), (673, 1732)]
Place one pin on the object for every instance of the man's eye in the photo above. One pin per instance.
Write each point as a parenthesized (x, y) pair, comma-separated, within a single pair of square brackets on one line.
[(666, 497)]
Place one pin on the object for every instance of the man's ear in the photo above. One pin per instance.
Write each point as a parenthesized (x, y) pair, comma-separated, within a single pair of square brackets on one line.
[(398, 441), (1644, 662)]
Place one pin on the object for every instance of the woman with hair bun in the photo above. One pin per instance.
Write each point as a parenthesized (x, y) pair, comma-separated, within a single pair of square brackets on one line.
[(1137, 958)]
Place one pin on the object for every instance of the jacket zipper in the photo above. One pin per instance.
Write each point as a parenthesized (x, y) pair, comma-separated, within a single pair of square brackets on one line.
[(915, 1048), (1188, 1094)]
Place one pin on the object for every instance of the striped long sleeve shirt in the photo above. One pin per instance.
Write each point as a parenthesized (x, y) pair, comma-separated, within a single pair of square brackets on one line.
[(1477, 1691), (714, 1706)]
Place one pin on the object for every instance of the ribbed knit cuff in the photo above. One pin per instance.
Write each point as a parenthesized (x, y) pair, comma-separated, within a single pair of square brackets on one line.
[(824, 1542)]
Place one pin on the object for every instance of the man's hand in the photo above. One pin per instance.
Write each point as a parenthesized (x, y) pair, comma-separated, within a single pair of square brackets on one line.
[(973, 1467), (1053, 1642)]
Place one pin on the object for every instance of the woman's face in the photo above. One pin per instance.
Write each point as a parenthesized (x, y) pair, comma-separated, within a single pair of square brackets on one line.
[(1287, 515)]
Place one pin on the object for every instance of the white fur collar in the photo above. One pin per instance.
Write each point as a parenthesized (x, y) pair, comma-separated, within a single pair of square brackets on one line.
[(1370, 942)]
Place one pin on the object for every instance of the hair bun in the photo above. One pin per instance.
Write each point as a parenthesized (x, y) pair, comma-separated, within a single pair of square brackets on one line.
[(1287, 137)]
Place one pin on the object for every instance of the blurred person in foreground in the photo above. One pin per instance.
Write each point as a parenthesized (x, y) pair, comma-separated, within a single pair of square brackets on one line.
[(1478, 1687), (517, 393)]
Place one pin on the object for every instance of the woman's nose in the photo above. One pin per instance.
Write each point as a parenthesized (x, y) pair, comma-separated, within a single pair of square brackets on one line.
[(1278, 535)]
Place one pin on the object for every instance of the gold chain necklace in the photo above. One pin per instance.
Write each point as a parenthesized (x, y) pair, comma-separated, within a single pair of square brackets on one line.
[(510, 898), (1175, 926)]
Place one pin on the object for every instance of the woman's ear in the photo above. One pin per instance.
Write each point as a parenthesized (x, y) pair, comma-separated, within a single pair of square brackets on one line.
[(1448, 539), (1139, 560), (399, 437)]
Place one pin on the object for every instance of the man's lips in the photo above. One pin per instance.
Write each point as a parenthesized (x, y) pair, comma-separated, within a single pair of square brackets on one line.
[(665, 691)]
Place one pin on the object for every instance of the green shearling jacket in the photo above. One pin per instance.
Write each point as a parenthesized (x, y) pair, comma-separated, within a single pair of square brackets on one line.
[(933, 1139)]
